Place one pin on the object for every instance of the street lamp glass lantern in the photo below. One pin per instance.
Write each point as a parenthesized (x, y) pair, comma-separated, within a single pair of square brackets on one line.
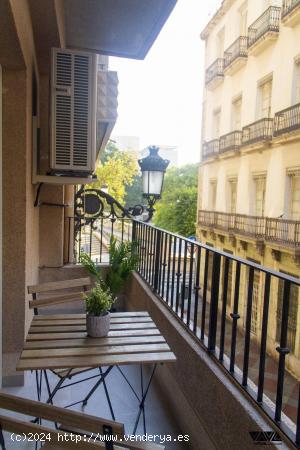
[(153, 169)]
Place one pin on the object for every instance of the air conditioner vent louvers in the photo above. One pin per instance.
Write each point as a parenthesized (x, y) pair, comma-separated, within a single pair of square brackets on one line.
[(73, 105)]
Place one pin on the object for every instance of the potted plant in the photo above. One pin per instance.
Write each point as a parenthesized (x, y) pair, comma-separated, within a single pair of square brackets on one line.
[(98, 304), (123, 259)]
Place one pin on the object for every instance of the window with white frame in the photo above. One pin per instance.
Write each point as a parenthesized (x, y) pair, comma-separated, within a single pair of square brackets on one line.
[(243, 12), (296, 83), (216, 123), (265, 99), (259, 194), (232, 184), (236, 114), (213, 194), (294, 194)]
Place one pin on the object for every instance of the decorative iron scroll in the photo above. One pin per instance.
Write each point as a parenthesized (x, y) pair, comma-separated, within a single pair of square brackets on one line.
[(93, 204)]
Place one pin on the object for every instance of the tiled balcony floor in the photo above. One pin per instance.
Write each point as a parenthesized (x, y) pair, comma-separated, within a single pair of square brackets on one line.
[(159, 418)]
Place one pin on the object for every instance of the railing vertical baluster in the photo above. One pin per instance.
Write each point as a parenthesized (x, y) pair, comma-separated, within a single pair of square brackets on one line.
[(263, 342), (188, 317), (143, 248), (178, 275), (91, 237), (153, 252), (214, 299), (183, 280), (173, 271), (161, 251), (204, 294), (234, 315), (248, 326), (164, 264), (197, 288), (157, 258), (169, 268), (147, 252), (101, 239), (224, 306), (297, 440), (282, 349)]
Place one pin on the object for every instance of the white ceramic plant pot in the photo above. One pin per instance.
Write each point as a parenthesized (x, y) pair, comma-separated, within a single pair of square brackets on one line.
[(97, 326)]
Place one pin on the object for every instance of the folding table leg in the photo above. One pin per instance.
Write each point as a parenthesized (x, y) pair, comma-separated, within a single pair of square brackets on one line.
[(142, 402), (2, 442), (107, 396), (86, 399)]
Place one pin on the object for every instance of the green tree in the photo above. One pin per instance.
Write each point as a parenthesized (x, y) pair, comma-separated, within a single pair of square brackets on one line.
[(134, 193), (177, 209), (116, 169)]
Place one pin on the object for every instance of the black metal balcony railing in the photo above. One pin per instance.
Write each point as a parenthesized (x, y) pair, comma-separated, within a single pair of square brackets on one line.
[(287, 120), (231, 141), (238, 49), (216, 69), (210, 148), (191, 279), (288, 6), (261, 130), (282, 231), (269, 21)]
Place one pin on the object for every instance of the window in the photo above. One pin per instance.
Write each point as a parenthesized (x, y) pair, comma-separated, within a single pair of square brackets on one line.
[(255, 298), (259, 194), (296, 83), (232, 195), (213, 194), (220, 43), (293, 313), (243, 19), (236, 116), (265, 99), (295, 195), (216, 123)]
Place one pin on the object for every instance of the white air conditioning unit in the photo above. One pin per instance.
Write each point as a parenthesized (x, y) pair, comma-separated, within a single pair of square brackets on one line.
[(73, 112)]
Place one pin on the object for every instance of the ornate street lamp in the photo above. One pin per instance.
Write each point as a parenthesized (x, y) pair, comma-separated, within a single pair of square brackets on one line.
[(153, 168), (92, 204)]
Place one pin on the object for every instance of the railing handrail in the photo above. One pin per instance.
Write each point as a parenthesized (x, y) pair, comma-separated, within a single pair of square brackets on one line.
[(280, 275), (268, 119), (289, 108)]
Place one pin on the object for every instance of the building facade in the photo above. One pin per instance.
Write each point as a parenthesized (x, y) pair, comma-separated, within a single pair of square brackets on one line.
[(249, 177)]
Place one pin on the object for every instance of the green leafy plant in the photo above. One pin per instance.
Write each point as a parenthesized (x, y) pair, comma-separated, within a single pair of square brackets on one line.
[(123, 260), (91, 267), (98, 301)]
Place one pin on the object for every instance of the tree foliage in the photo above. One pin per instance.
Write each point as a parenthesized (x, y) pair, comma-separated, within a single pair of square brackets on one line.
[(117, 169), (177, 209)]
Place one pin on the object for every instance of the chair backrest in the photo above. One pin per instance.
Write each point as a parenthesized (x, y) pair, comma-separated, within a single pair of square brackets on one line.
[(54, 292), (68, 419)]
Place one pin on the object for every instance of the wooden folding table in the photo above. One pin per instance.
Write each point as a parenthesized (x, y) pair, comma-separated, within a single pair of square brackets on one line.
[(61, 342)]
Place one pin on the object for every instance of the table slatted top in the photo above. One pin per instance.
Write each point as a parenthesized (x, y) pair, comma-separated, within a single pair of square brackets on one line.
[(60, 341)]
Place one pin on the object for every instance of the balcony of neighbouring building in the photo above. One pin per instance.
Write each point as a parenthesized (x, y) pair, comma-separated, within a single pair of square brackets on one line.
[(210, 149), (258, 132), (272, 230), (214, 74), (204, 300), (290, 14), (264, 30), (287, 122), (236, 55), (230, 142)]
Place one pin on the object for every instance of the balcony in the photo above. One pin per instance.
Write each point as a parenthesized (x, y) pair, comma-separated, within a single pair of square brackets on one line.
[(287, 121), (290, 14), (236, 55), (231, 142), (258, 132), (210, 149), (264, 30), (205, 301), (280, 231), (214, 74)]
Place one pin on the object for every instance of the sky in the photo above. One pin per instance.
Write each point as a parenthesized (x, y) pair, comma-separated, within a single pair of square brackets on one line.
[(160, 97)]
